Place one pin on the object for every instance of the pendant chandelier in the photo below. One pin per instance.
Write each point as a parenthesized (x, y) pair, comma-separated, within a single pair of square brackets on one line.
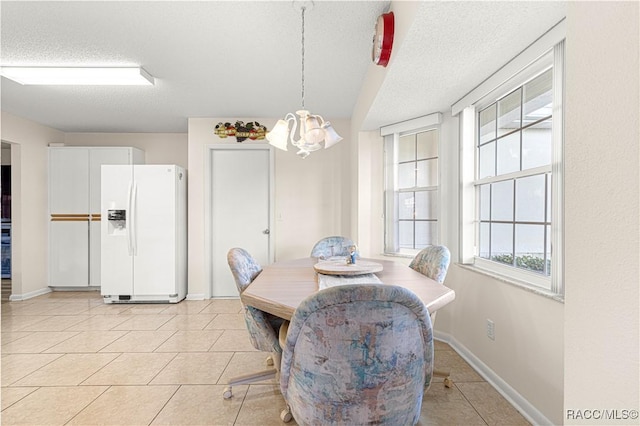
[(313, 129)]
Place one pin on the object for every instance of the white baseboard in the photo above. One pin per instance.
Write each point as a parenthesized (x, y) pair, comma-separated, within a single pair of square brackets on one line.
[(85, 288), (531, 413), (31, 294), (201, 296), (195, 296)]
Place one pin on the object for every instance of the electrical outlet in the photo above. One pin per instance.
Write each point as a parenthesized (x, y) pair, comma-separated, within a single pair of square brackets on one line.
[(491, 330)]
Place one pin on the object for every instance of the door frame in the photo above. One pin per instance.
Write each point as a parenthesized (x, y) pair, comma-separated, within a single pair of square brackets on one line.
[(208, 238)]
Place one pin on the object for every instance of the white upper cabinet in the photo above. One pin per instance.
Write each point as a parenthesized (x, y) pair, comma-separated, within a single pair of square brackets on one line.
[(68, 180)]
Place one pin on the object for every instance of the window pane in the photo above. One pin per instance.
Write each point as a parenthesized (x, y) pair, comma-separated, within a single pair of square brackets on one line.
[(487, 160), (538, 97), (509, 154), (509, 112), (484, 240), (487, 124), (427, 172), (548, 248), (549, 179), (502, 200), (426, 205), (485, 202), (530, 247), (405, 205), (405, 234), (536, 145), (530, 199), (427, 144), (426, 234), (406, 175), (502, 242), (407, 148)]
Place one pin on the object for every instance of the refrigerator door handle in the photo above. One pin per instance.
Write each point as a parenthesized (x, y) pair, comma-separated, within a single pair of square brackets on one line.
[(134, 235), (128, 220)]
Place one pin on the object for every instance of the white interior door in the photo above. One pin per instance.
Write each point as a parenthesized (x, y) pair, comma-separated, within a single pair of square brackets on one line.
[(240, 211)]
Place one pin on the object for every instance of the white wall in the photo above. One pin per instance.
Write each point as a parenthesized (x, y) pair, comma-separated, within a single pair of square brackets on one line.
[(29, 160), (404, 15), (159, 148), (583, 354), (527, 353), (370, 193), (602, 351), (308, 198)]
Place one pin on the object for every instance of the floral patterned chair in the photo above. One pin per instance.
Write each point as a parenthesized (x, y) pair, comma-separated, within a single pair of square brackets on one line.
[(433, 261), (263, 327), (357, 354), (332, 246)]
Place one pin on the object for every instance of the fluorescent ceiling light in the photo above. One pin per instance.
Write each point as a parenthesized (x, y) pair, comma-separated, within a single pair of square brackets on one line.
[(87, 76)]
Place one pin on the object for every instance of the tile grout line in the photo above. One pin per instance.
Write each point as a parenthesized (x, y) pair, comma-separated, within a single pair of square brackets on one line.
[(165, 404), (87, 405), (470, 403)]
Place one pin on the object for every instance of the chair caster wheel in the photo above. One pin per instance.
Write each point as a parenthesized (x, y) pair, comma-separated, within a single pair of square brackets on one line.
[(286, 415), (227, 394), (447, 382), (269, 360)]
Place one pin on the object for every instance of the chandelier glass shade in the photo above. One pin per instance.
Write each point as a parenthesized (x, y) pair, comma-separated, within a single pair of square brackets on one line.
[(313, 130)]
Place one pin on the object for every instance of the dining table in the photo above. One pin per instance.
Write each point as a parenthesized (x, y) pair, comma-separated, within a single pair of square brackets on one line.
[(282, 286)]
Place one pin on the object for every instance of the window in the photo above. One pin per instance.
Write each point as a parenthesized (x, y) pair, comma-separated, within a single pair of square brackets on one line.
[(411, 194), (512, 198), (514, 177)]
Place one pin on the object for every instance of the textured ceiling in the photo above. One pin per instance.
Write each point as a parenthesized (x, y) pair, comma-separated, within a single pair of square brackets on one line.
[(451, 48), (242, 59)]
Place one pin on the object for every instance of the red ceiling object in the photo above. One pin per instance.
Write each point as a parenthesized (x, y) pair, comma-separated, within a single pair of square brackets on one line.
[(383, 39)]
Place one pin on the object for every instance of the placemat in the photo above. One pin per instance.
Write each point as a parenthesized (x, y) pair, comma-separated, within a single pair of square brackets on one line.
[(326, 281)]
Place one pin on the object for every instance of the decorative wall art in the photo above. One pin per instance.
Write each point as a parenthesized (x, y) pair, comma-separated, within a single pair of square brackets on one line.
[(252, 130)]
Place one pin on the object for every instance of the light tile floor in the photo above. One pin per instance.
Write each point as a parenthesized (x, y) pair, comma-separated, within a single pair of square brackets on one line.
[(69, 359)]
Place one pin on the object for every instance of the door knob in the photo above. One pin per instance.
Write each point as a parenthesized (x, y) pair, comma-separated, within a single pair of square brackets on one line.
[(266, 232)]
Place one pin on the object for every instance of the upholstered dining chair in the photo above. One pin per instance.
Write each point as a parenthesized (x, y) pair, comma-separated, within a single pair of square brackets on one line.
[(332, 246), (357, 354), (263, 327), (433, 261)]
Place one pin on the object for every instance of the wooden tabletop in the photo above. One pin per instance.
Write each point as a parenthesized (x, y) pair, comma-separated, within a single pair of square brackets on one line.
[(281, 286)]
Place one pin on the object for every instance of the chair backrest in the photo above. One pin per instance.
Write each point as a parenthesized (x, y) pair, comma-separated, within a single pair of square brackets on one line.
[(358, 354), (432, 261), (245, 269), (332, 246)]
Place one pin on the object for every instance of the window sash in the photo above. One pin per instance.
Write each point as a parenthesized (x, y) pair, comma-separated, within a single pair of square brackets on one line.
[(393, 219), (470, 214)]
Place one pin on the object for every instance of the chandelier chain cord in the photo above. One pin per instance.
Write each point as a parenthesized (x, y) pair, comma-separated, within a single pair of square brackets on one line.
[(303, 10)]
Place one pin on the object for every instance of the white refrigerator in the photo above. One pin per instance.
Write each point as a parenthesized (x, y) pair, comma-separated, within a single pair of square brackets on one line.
[(144, 233)]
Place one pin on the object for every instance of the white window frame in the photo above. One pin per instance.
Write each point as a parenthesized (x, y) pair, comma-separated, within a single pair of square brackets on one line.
[(392, 134), (526, 66)]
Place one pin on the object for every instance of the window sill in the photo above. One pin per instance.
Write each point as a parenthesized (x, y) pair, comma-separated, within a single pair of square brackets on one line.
[(516, 283), (402, 255)]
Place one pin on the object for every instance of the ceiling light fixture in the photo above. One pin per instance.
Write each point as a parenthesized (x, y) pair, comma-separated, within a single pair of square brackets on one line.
[(313, 129), (80, 76)]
